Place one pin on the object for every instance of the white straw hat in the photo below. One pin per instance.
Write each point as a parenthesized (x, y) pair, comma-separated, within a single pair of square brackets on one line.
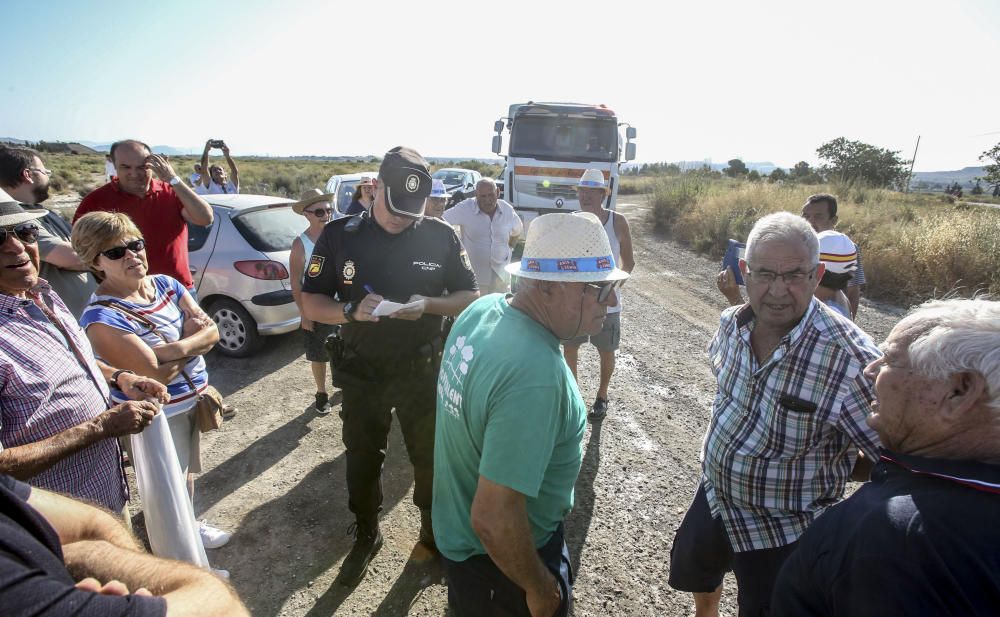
[(437, 190), (567, 247), (11, 212), (592, 179)]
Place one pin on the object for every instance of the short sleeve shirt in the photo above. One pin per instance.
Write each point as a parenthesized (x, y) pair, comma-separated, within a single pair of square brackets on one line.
[(486, 238), (33, 578), (74, 287), (426, 259), (508, 409), (158, 216)]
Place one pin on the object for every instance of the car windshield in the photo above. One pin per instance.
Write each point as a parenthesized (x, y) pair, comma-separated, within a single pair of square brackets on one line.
[(345, 194), (271, 229), (565, 139), (449, 177)]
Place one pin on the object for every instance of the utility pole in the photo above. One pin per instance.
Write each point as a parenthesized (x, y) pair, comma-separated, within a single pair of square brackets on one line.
[(909, 178)]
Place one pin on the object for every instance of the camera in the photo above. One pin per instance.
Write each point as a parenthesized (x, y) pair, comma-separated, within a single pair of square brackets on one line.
[(216, 143)]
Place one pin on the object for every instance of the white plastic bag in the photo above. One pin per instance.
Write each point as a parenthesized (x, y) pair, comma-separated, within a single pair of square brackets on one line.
[(170, 522)]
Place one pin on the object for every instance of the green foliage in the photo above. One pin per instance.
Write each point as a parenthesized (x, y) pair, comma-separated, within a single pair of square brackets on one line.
[(778, 175), (753, 176), (992, 159), (736, 168), (672, 198), (858, 161), (657, 169)]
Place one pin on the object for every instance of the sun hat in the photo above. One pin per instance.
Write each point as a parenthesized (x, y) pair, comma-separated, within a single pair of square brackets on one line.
[(838, 252), (567, 247), (592, 179), (308, 198), (11, 213), (407, 180), (366, 181), (438, 191)]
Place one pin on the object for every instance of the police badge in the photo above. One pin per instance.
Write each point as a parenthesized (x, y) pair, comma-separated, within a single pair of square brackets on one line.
[(349, 272)]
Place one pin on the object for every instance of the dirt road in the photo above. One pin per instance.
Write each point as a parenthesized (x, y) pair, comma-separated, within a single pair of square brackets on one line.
[(275, 473)]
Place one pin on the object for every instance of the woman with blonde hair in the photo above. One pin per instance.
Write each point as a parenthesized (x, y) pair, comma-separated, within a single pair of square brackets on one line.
[(149, 325)]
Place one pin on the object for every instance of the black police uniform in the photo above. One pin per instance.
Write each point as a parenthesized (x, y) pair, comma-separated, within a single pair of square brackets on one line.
[(391, 363)]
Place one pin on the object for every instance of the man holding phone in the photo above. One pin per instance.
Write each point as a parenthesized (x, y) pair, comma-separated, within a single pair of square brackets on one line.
[(216, 181)]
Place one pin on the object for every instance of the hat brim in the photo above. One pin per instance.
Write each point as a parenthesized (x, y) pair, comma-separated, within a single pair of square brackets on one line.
[(400, 207), (25, 216), (569, 277), (299, 206)]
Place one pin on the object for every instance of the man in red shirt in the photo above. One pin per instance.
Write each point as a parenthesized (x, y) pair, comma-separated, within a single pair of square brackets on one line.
[(161, 207)]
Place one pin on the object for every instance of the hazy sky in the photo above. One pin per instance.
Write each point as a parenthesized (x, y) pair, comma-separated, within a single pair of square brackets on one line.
[(768, 80)]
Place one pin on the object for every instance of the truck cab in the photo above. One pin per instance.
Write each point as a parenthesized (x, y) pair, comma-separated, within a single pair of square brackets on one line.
[(549, 147)]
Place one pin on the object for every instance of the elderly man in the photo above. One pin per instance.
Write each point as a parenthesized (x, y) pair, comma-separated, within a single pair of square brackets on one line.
[(592, 189), (161, 207), (510, 421), (786, 423), (64, 557), (821, 212), (922, 537), (216, 181), (437, 201), (55, 428), (489, 229), (414, 271), (24, 177)]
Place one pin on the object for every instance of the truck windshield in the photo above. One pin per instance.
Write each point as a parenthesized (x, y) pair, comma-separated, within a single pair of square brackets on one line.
[(565, 139)]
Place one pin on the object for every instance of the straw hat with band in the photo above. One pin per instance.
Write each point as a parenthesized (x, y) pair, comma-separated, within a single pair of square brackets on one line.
[(838, 252), (567, 247), (592, 179), (11, 213), (367, 181), (438, 191), (308, 198)]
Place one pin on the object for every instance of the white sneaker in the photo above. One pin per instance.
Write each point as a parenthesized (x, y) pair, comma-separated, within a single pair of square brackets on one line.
[(212, 537), (224, 574)]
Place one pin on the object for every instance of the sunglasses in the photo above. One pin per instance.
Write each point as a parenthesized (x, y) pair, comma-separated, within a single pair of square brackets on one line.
[(604, 289), (119, 251), (25, 232), (318, 212)]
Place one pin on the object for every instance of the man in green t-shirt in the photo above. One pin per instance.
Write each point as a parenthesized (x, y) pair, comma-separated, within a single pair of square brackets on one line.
[(510, 424)]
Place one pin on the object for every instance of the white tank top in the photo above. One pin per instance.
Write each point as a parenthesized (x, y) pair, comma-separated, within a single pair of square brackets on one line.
[(616, 252)]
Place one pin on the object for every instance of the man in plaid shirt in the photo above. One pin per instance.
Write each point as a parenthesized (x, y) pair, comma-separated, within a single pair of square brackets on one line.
[(787, 422)]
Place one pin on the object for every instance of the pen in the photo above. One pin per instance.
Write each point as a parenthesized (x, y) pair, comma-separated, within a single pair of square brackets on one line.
[(368, 288)]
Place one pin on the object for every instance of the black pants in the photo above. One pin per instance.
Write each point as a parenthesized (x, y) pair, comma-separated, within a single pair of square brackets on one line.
[(701, 555), (367, 416), (477, 587)]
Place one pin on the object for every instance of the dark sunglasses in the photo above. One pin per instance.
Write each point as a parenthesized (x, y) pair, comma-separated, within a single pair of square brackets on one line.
[(317, 212), (604, 289), (25, 232), (119, 251)]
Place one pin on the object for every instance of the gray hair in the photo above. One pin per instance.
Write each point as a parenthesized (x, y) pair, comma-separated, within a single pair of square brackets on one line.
[(783, 226), (956, 336)]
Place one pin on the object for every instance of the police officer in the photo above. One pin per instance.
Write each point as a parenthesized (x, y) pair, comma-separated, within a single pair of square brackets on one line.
[(393, 254)]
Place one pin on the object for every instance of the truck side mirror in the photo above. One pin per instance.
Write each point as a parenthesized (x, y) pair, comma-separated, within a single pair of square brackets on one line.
[(630, 152), (497, 143), (630, 132), (498, 126)]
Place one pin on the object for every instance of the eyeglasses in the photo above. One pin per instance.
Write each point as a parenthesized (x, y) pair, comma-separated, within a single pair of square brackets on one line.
[(604, 289), (119, 251), (318, 212), (25, 232), (41, 170), (795, 277)]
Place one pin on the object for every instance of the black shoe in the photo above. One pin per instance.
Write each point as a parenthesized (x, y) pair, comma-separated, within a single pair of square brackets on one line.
[(426, 536), (322, 403), (599, 410), (367, 542)]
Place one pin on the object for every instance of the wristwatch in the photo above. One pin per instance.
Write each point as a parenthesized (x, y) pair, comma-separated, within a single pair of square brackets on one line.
[(349, 308), (116, 374), (175, 181)]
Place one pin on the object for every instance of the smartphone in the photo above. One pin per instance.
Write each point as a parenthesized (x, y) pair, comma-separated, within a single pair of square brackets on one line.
[(217, 143)]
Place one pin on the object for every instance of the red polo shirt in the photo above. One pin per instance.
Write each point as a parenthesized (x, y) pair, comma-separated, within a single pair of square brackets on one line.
[(158, 217)]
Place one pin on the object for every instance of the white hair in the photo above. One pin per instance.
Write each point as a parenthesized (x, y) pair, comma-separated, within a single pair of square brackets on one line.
[(783, 226), (956, 336)]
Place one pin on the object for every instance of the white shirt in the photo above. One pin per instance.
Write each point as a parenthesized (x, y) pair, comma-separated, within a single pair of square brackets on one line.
[(487, 240), (217, 189), (109, 170)]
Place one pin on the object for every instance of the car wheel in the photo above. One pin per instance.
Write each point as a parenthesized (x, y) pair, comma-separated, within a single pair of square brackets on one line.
[(238, 335)]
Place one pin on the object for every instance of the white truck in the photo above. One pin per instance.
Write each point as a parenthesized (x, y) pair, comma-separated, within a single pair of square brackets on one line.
[(549, 147)]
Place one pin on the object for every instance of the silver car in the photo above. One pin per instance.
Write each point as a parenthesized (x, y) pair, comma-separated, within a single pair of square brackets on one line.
[(342, 186), (240, 268)]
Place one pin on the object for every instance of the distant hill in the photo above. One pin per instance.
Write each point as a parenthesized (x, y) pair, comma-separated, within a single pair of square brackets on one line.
[(966, 178)]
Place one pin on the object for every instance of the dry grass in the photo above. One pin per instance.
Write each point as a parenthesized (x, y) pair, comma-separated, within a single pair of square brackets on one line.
[(914, 247)]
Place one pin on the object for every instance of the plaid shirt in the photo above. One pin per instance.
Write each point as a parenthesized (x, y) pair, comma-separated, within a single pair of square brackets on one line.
[(44, 391), (768, 469)]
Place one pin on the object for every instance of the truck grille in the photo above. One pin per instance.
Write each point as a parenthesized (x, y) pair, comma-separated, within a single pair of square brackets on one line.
[(553, 191)]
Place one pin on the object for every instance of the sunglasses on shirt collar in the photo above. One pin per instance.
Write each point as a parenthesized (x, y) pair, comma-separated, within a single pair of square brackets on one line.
[(25, 232), (118, 252)]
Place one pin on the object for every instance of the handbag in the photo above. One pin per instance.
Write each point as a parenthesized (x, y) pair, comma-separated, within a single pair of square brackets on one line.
[(208, 407)]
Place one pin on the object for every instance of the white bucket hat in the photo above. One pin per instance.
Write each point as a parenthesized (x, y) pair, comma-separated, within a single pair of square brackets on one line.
[(838, 252), (438, 191), (592, 179), (567, 247)]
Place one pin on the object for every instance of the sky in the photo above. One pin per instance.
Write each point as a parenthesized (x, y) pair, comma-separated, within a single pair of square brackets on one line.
[(767, 80)]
